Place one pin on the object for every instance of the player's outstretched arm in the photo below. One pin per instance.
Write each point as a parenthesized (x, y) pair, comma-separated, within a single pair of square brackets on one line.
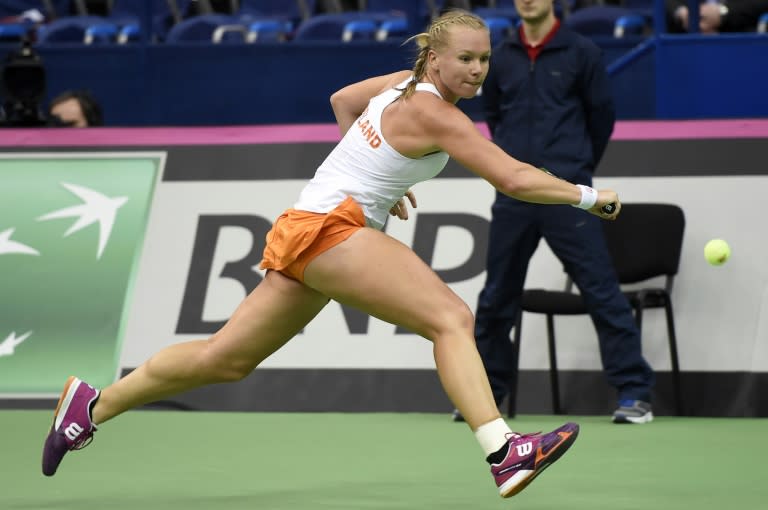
[(457, 135)]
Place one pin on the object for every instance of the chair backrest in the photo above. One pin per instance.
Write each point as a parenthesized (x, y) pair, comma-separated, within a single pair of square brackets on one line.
[(596, 20), (77, 29), (202, 28), (295, 10), (331, 27), (646, 241)]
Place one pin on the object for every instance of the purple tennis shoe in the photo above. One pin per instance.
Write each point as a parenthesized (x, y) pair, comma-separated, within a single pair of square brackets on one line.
[(72, 425), (529, 455)]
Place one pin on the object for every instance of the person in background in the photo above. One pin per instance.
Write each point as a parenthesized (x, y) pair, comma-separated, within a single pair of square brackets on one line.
[(76, 108), (717, 16), (547, 99)]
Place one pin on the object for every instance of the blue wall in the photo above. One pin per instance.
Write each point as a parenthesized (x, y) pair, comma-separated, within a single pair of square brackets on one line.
[(712, 77), (199, 84)]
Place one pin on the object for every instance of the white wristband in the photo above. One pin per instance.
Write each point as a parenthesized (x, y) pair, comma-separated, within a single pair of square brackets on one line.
[(588, 197)]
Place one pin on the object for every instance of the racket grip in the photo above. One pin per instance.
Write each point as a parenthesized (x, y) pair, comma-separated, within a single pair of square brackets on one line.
[(609, 208)]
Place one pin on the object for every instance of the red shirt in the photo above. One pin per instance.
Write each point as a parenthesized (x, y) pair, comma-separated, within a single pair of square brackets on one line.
[(533, 51)]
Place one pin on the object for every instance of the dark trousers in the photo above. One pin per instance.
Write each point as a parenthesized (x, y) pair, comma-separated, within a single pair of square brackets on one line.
[(577, 239)]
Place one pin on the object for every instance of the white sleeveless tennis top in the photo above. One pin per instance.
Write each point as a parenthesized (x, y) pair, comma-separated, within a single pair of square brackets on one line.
[(364, 166)]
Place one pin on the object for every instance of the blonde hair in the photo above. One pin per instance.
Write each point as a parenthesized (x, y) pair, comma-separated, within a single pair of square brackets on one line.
[(437, 37)]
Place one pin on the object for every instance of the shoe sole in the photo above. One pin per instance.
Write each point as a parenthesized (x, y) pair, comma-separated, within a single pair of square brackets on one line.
[(646, 418), (555, 454), (70, 388)]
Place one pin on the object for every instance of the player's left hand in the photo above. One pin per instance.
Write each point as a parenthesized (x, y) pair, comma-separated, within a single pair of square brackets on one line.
[(400, 209)]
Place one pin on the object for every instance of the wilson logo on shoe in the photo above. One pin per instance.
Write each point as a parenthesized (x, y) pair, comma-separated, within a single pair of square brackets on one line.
[(73, 431), (524, 449)]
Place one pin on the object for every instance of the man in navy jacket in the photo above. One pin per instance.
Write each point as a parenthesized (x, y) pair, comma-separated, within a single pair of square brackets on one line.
[(547, 101)]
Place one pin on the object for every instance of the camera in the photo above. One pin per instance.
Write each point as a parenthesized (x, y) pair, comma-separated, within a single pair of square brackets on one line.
[(23, 89)]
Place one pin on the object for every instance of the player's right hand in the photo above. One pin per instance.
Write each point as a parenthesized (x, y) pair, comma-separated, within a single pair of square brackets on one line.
[(607, 206)]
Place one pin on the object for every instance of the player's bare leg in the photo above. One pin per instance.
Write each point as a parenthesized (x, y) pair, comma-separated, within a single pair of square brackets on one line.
[(381, 276), (271, 315)]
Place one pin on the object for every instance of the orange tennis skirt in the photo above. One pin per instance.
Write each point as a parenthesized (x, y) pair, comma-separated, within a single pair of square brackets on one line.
[(297, 237)]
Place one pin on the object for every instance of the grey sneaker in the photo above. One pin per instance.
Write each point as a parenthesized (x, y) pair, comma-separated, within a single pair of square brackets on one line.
[(633, 411), (456, 416)]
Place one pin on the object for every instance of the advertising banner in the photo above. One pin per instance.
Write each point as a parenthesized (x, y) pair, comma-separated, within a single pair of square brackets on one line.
[(71, 231)]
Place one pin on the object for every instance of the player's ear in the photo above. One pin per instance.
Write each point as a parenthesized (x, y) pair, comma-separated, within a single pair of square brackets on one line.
[(432, 60)]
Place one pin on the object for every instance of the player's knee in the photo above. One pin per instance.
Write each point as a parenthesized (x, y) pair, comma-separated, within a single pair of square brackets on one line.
[(455, 317), (218, 368), (225, 371)]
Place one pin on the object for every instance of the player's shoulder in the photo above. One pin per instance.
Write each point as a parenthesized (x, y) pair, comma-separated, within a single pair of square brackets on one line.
[(431, 109), (397, 78)]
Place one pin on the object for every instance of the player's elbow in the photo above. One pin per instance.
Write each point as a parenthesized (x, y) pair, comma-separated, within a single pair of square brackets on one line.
[(337, 99), (514, 183), (343, 105)]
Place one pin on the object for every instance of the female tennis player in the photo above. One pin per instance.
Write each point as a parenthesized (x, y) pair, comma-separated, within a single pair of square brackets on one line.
[(398, 130)]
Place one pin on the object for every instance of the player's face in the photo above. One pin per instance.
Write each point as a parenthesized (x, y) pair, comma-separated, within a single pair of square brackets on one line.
[(463, 63), (533, 11)]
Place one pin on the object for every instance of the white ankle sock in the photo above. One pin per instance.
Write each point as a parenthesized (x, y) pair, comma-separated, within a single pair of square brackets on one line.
[(492, 435)]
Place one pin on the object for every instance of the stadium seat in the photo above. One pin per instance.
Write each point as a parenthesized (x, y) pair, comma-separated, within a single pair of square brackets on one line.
[(499, 9), (295, 11), (78, 29), (268, 30), (332, 27), (13, 31), (605, 20), (203, 28), (644, 8), (418, 13), (361, 29), (395, 27), (762, 24), (129, 32), (499, 28), (645, 242)]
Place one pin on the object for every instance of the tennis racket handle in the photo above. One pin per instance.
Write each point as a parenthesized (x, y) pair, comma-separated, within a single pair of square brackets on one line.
[(609, 208)]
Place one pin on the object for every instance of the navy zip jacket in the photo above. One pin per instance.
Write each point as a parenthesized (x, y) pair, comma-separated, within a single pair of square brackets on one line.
[(556, 112)]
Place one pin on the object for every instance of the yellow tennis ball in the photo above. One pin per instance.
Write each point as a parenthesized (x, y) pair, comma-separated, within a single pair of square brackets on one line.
[(717, 252)]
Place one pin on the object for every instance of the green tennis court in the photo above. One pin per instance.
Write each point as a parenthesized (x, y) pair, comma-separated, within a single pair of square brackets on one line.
[(170, 460)]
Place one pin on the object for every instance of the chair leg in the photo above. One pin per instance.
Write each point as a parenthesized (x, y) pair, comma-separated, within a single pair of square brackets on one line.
[(512, 402), (553, 375), (673, 355)]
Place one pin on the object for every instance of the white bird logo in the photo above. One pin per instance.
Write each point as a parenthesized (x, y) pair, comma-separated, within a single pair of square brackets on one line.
[(96, 207), (8, 346), (7, 246)]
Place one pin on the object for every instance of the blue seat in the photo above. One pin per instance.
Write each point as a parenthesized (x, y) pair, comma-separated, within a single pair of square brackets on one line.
[(395, 27), (267, 30), (78, 29), (762, 23), (294, 11), (129, 32), (502, 9), (333, 27), (644, 8), (499, 28), (128, 16), (606, 20), (360, 29), (210, 28), (13, 31), (418, 13)]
